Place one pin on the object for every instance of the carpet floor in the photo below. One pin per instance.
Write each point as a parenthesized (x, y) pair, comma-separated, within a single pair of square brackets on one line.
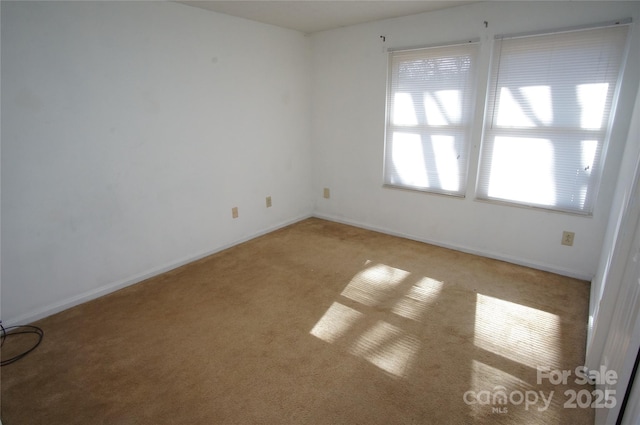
[(315, 323)]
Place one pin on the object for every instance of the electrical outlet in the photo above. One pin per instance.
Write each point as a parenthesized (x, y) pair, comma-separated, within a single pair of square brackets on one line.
[(567, 238), (268, 201), (326, 193), (234, 212)]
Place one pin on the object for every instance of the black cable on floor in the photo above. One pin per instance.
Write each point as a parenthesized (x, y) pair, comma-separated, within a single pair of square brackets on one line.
[(18, 330)]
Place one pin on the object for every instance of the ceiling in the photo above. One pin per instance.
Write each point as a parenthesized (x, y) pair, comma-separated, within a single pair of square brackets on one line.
[(309, 16)]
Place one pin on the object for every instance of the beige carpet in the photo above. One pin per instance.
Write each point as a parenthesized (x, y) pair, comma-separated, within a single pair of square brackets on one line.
[(317, 323)]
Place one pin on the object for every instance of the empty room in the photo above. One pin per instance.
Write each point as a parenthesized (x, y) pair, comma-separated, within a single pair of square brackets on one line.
[(320, 212)]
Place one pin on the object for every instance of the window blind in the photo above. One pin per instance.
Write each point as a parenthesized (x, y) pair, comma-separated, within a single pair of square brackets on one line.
[(548, 116), (429, 103)]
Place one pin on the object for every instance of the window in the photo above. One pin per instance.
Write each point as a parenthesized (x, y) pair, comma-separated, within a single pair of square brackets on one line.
[(548, 113), (429, 109)]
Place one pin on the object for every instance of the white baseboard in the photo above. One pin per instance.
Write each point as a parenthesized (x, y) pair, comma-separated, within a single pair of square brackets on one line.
[(461, 248), (114, 286), (57, 307)]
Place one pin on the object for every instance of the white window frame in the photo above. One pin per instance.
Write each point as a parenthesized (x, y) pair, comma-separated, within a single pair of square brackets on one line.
[(407, 163), (575, 177)]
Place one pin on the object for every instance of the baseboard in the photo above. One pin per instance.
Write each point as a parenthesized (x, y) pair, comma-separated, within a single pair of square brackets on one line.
[(461, 248), (114, 286)]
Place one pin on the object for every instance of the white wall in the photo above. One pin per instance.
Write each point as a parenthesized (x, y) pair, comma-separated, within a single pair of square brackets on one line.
[(129, 130), (608, 282), (348, 113)]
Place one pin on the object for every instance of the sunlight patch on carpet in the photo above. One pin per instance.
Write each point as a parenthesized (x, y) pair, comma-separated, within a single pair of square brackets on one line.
[(523, 334), (487, 378), (374, 284), (493, 391), (335, 323), (415, 302), (387, 347)]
